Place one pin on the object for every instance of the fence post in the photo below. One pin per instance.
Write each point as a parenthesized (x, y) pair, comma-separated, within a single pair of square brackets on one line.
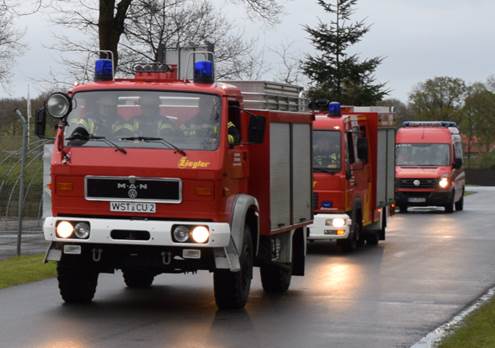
[(21, 180)]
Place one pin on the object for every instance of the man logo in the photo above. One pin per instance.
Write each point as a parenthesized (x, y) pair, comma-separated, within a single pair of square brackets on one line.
[(416, 182), (132, 193)]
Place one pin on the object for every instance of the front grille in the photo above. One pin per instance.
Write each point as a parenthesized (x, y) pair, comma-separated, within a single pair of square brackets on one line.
[(417, 183), (133, 189)]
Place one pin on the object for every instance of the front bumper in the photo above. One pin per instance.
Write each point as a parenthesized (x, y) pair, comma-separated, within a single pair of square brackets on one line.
[(422, 198), (160, 232), (319, 230), (219, 245)]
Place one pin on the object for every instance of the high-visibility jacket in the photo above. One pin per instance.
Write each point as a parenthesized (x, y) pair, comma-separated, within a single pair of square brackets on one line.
[(86, 123), (130, 127)]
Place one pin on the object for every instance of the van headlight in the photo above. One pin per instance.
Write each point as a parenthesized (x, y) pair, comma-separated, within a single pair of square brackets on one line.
[(444, 182)]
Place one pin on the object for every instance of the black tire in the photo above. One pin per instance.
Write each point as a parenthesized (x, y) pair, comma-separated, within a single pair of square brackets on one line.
[(372, 238), (355, 239), (276, 278), (232, 288), (403, 208), (459, 205), (449, 207), (77, 283), (137, 278)]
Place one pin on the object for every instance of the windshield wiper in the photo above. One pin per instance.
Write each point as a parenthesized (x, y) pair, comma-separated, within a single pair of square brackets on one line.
[(78, 136), (158, 140), (325, 170)]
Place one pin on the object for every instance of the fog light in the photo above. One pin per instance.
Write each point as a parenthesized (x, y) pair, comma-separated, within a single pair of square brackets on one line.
[(340, 232), (64, 229), (81, 230), (181, 234), (443, 183), (200, 234)]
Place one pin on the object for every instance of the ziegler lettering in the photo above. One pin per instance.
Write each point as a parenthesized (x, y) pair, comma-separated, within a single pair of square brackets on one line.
[(185, 163)]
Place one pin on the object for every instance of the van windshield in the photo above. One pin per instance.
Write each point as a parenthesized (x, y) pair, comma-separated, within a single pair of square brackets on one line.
[(189, 121), (326, 151), (423, 154)]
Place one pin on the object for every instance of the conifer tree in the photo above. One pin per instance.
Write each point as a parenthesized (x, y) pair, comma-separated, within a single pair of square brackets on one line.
[(335, 74)]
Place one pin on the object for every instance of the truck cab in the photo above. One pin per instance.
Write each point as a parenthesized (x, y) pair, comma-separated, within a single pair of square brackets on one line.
[(429, 167), (352, 175), (162, 174)]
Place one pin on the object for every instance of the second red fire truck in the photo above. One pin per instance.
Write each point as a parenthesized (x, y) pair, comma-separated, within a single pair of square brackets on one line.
[(162, 173), (353, 180)]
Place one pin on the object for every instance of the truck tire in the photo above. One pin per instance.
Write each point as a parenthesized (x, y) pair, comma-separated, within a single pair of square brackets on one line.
[(403, 208), (77, 283), (232, 288), (355, 239), (137, 278), (459, 205), (275, 278), (372, 238)]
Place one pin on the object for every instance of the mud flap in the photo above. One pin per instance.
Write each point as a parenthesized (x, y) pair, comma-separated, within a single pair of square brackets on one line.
[(299, 252)]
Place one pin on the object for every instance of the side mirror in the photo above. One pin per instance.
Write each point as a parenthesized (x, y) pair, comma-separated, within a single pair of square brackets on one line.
[(40, 123), (458, 163), (257, 125), (362, 148)]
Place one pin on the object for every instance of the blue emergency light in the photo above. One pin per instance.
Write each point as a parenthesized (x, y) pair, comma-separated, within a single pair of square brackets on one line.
[(204, 72), (334, 109), (103, 70), (327, 204)]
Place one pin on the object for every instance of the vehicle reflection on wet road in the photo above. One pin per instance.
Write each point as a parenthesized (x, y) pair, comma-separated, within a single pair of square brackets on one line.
[(431, 266)]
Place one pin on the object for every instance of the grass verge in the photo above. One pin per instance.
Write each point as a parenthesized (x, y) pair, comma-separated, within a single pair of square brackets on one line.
[(24, 269), (478, 330), (469, 193)]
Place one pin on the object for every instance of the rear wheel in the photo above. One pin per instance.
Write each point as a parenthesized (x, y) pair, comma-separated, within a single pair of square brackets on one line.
[(77, 283), (232, 288), (459, 205), (276, 278), (372, 238), (137, 278)]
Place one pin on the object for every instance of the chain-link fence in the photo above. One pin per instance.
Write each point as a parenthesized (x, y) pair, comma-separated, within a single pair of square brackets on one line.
[(20, 222)]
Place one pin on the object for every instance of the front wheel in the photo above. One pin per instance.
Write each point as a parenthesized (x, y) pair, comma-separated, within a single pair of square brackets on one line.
[(77, 283), (354, 240), (459, 205), (232, 288), (449, 207)]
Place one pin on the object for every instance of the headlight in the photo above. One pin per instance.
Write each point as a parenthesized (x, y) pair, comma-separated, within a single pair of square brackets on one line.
[(58, 105), (181, 234), (200, 234), (81, 230), (443, 183), (64, 229), (336, 222)]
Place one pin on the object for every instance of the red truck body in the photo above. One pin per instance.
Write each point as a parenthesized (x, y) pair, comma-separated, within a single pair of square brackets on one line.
[(138, 196), (357, 186)]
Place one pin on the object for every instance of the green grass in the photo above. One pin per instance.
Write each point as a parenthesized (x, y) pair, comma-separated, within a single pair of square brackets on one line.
[(478, 330), (469, 193), (24, 269)]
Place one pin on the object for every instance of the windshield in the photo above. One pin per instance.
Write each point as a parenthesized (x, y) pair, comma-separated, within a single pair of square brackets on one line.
[(326, 151), (423, 154), (189, 121)]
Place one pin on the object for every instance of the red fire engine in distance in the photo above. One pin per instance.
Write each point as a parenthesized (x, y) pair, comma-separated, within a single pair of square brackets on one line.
[(353, 175)]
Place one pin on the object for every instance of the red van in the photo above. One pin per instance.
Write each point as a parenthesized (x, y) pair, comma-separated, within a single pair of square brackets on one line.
[(429, 169)]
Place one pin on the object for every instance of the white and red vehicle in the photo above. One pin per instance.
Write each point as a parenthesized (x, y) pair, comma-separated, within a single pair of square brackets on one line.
[(184, 200), (353, 174)]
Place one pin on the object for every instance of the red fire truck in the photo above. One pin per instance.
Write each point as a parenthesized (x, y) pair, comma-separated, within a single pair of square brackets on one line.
[(353, 166), (161, 173)]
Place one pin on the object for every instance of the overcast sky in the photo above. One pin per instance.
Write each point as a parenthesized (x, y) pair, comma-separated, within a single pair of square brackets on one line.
[(419, 39)]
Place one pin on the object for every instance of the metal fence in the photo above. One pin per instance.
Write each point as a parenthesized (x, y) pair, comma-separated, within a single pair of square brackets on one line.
[(21, 194)]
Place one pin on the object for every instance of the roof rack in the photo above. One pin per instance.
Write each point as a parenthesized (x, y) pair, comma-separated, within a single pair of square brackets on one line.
[(445, 124)]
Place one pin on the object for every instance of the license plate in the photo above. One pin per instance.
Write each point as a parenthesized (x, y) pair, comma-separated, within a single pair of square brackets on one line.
[(133, 207), (417, 200)]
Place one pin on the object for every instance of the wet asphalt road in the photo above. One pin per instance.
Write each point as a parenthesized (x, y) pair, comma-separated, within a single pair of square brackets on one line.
[(431, 266)]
